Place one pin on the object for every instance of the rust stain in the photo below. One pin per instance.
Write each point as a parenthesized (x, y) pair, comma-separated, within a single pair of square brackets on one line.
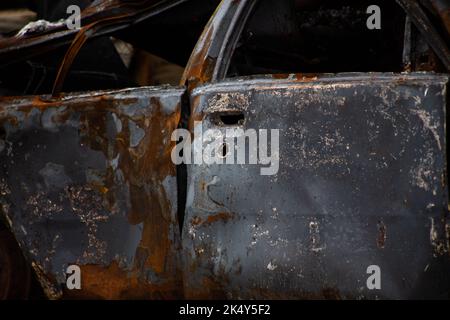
[(443, 10), (382, 235), (221, 216), (323, 294), (114, 283), (200, 66), (145, 166), (298, 77)]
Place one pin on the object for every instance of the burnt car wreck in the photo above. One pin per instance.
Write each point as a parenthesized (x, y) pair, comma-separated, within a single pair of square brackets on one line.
[(87, 174)]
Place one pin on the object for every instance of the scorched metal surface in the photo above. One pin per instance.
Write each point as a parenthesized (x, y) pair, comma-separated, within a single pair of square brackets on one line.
[(87, 179), (361, 182)]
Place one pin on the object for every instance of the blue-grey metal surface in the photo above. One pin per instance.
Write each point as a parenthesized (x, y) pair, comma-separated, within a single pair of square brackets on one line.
[(361, 182)]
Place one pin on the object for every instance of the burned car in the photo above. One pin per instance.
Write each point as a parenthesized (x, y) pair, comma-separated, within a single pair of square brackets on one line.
[(349, 177)]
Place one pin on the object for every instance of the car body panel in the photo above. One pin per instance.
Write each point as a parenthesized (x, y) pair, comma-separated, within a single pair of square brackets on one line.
[(337, 205), (87, 180)]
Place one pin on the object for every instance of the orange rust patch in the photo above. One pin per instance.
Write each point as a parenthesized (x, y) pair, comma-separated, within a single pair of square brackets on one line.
[(222, 216), (196, 115), (200, 66), (113, 283), (299, 77), (144, 168)]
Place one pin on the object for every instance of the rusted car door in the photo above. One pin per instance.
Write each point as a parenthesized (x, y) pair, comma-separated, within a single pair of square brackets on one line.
[(361, 182), (87, 180)]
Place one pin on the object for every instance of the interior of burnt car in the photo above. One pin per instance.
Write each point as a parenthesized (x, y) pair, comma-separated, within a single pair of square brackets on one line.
[(288, 36), (328, 37)]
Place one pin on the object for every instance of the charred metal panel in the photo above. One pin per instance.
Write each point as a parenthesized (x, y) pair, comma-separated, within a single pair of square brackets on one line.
[(87, 179), (361, 182)]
